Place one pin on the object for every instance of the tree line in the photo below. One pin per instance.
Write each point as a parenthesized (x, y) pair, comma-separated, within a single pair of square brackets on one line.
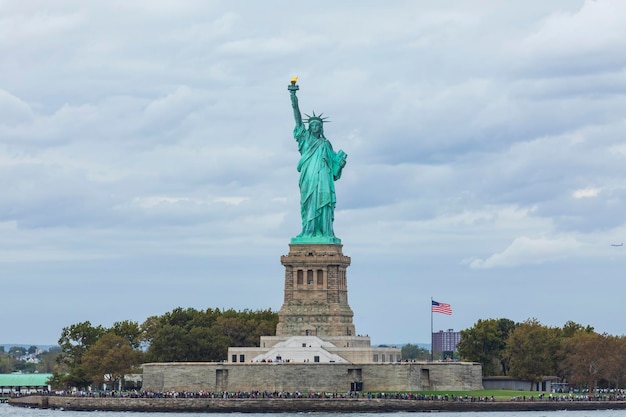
[(94, 355), (530, 351), (13, 359)]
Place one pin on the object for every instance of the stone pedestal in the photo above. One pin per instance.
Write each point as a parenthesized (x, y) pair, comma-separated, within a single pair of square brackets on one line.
[(316, 292)]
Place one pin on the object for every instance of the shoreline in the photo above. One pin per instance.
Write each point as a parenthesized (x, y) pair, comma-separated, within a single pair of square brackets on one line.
[(285, 405)]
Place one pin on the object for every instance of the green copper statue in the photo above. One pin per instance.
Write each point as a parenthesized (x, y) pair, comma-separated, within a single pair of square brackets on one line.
[(319, 168)]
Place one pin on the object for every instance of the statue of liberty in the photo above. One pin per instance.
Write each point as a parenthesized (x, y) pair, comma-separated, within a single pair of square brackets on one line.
[(319, 168)]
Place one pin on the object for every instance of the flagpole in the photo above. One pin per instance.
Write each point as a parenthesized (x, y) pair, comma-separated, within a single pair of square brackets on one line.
[(431, 329)]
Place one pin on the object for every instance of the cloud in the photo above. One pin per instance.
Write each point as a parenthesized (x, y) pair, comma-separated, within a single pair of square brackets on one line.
[(577, 42), (40, 26), (524, 250), (14, 111), (147, 143), (586, 193)]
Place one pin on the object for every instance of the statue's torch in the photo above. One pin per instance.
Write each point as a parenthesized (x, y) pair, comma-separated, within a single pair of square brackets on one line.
[(293, 87)]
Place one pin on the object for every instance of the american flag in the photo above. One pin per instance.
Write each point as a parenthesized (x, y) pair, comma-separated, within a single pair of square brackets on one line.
[(442, 308)]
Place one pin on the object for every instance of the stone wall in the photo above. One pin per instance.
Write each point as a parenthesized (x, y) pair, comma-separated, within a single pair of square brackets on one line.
[(340, 405), (402, 376)]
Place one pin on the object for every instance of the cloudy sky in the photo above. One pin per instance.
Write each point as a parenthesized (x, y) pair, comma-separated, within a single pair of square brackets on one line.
[(147, 159)]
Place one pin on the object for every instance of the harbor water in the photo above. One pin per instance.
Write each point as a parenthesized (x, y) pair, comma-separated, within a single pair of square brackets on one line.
[(11, 411)]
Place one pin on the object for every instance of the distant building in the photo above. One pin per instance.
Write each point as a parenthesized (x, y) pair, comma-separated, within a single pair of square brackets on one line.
[(444, 343), (11, 384)]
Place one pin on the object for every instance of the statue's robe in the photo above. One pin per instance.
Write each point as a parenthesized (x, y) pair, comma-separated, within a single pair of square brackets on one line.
[(319, 168)]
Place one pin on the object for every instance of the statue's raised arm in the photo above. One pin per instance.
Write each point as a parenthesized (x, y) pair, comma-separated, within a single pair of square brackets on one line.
[(293, 87)]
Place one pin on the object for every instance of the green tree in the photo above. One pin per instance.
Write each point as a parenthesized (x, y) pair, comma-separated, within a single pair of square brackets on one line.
[(180, 317), (192, 335), (32, 349), (258, 323), (207, 344), (75, 340), (58, 381), (17, 351), (48, 361), (572, 328), (168, 344), (129, 330), (414, 352), (7, 364), (485, 342), (149, 329), (109, 359), (24, 367), (532, 350)]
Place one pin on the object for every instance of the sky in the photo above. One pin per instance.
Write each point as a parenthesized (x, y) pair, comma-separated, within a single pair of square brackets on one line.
[(147, 160)]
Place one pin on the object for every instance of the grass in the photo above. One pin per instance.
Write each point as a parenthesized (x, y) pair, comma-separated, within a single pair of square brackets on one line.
[(498, 394)]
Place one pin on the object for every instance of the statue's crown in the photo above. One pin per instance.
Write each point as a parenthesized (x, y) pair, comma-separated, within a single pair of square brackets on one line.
[(316, 118)]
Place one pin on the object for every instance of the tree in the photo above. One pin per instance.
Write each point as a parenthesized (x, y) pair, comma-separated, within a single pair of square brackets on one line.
[(414, 352), (259, 323), (582, 359), (181, 317), (485, 342), (238, 329), (168, 344), (179, 335), (532, 350), (192, 335), (24, 367), (149, 329), (572, 328), (173, 343), (6, 364), (590, 360), (130, 331), (207, 344), (32, 349), (109, 359), (75, 340), (17, 351), (616, 361), (47, 361)]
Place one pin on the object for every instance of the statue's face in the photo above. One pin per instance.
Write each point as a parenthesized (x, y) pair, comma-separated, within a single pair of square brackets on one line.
[(315, 127)]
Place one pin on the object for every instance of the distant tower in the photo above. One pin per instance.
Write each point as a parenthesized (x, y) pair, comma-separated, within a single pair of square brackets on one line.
[(316, 292)]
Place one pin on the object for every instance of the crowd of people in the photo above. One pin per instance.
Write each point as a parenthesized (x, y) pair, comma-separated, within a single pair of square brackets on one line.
[(598, 396)]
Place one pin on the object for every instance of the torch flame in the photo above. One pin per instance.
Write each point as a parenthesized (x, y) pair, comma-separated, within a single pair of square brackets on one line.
[(294, 80)]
